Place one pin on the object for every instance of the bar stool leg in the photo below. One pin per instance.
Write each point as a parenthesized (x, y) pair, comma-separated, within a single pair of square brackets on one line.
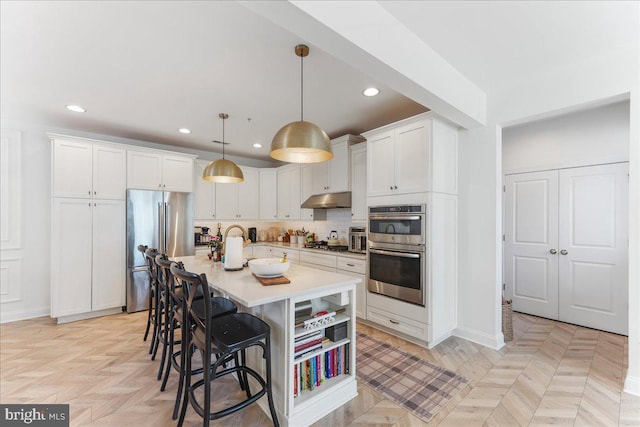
[(267, 357)]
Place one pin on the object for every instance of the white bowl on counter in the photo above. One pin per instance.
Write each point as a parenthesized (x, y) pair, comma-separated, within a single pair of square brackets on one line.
[(268, 267)]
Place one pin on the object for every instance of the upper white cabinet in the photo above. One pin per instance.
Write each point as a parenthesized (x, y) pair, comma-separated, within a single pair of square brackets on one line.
[(333, 176), (268, 194), (415, 155), (157, 170), (358, 182), (204, 193), (240, 200), (289, 192), (86, 169), (307, 180)]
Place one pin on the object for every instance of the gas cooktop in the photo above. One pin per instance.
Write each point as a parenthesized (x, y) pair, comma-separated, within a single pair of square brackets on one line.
[(323, 245)]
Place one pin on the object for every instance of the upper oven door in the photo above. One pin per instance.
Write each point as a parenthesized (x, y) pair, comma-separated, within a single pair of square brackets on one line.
[(399, 228)]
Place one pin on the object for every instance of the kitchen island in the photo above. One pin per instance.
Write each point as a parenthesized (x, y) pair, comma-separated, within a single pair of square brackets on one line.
[(296, 404)]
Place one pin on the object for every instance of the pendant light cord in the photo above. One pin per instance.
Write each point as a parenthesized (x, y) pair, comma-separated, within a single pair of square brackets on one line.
[(301, 88), (223, 138)]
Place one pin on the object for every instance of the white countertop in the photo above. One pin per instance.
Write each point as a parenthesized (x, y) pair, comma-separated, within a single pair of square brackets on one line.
[(244, 288)]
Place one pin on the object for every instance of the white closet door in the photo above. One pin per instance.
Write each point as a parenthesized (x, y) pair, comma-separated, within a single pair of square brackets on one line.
[(531, 236), (593, 247)]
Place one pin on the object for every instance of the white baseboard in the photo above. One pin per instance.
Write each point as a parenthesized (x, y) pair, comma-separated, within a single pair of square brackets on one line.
[(14, 316), (494, 342), (89, 315), (632, 385)]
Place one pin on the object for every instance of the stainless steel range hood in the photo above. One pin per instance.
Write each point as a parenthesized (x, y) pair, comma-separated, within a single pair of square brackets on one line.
[(328, 201)]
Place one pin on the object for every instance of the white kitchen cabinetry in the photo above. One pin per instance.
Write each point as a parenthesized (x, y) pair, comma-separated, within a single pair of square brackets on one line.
[(88, 170), (204, 200), (358, 182), (88, 257), (268, 194), (239, 200), (289, 192), (157, 170), (357, 268), (334, 176), (307, 180), (415, 155)]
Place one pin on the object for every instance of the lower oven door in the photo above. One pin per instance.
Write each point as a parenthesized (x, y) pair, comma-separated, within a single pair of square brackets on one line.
[(398, 273)]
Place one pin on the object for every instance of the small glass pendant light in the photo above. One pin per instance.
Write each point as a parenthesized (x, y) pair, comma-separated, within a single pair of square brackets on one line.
[(222, 171)]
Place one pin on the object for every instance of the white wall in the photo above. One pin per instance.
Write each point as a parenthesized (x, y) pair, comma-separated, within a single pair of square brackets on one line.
[(595, 136), (601, 81)]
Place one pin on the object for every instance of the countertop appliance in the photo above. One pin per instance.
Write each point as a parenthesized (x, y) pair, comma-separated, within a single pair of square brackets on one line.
[(397, 252), (161, 220), (358, 240)]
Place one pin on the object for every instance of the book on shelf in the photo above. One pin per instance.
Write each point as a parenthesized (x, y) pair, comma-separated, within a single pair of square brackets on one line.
[(306, 351), (311, 373), (307, 344)]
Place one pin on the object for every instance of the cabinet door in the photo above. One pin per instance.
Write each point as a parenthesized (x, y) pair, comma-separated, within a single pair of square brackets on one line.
[(268, 194), (289, 192), (144, 170), (306, 174), (284, 194), (177, 173), (295, 189), (109, 172), (359, 182), (72, 169), (108, 278), (412, 158), (319, 177), (204, 194), (71, 257), (380, 164), (227, 201), (248, 195), (338, 168)]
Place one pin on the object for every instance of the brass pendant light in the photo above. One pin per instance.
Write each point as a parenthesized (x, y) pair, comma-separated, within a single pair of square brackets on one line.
[(222, 171), (301, 142)]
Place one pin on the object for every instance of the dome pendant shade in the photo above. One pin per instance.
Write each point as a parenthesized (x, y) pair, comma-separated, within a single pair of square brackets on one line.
[(223, 171), (301, 142)]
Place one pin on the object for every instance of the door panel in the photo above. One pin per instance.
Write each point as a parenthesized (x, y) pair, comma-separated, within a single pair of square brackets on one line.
[(531, 232), (593, 232), (108, 280)]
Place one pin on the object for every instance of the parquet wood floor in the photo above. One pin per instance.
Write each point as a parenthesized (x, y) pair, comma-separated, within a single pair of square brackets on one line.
[(552, 373)]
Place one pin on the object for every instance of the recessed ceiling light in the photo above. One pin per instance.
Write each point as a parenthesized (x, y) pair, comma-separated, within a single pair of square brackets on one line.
[(184, 130), (370, 91), (76, 108), (257, 145)]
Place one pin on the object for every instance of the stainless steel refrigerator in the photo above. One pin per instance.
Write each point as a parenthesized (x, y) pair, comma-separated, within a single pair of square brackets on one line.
[(161, 220)]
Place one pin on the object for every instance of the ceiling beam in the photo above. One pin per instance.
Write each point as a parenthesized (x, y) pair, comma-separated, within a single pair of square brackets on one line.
[(367, 37)]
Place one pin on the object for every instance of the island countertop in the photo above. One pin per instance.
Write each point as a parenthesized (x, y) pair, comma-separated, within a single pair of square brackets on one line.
[(244, 288)]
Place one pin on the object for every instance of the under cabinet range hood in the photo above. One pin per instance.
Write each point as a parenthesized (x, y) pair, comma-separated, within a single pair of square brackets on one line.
[(328, 201)]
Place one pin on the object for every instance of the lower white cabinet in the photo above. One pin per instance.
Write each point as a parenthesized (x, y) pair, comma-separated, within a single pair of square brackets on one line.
[(358, 268), (88, 256)]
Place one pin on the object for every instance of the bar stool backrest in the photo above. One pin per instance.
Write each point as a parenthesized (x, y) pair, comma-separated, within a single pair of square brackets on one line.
[(195, 287)]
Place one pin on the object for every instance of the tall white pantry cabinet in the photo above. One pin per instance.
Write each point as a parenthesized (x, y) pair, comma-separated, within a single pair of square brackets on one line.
[(88, 222)]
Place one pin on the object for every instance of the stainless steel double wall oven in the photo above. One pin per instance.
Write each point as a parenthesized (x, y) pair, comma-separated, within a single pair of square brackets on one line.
[(397, 252)]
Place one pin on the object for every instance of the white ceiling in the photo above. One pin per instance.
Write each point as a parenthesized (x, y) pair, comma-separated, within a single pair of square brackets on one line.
[(143, 69)]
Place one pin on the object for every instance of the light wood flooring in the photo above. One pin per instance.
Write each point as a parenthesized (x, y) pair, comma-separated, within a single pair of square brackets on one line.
[(552, 373)]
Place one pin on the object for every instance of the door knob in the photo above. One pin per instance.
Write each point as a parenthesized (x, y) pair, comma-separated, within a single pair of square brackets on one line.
[(553, 251), (564, 252)]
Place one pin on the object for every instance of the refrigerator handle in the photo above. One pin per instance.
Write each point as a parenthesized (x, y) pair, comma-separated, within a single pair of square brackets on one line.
[(166, 225), (160, 228)]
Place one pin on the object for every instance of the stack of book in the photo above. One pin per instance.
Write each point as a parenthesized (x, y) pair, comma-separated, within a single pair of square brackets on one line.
[(311, 373), (307, 343)]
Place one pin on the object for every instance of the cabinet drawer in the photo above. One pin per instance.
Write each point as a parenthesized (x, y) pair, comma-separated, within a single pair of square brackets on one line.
[(399, 323), (353, 265), (319, 267), (318, 259), (394, 306)]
